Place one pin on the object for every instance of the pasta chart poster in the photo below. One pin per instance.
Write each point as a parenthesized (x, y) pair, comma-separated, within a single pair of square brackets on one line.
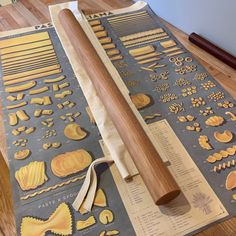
[(165, 81), (52, 138)]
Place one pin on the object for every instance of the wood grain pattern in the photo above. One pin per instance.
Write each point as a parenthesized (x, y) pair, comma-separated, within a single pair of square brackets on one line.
[(19, 15), (7, 221)]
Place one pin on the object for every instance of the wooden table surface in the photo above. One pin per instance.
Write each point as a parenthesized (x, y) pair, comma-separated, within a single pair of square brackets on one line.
[(33, 12)]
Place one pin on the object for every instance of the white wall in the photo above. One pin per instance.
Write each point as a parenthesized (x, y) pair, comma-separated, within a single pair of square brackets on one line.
[(213, 19)]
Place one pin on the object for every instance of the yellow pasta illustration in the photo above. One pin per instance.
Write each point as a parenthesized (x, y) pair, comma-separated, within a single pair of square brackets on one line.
[(140, 100), (46, 100), (149, 117), (109, 46), (74, 132), (24, 47), (218, 156), (24, 60), (57, 70), (231, 181), (100, 199), (63, 94), (21, 114), (11, 98), (39, 90), (15, 132), (113, 52), (109, 232), (95, 22), (52, 187), (224, 166), (20, 88), (232, 115), (21, 104), (70, 162), (112, 232), (106, 217), (54, 80), (149, 55), (101, 34), (24, 39), (20, 96), (59, 223), (224, 137), (13, 120), (28, 52), (83, 224), (204, 142), (145, 39), (168, 43), (31, 176), (30, 72), (141, 34), (47, 112), (142, 51), (149, 60), (22, 154), (98, 28), (215, 121), (105, 40)]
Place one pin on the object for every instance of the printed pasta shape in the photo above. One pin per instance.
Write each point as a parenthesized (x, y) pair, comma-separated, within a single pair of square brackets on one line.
[(140, 100), (32, 175), (231, 180), (204, 142), (224, 137), (59, 223), (215, 121), (70, 162)]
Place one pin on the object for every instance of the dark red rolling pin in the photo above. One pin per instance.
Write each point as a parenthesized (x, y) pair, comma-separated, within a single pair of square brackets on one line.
[(213, 50), (159, 181)]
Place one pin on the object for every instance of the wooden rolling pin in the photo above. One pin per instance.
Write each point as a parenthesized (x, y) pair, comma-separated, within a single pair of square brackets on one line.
[(214, 50), (159, 181)]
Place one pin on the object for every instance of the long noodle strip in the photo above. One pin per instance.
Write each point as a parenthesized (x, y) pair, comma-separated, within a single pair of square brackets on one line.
[(31, 77), (149, 41), (25, 47), (31, 72), (133, 19), (141, 34), (143, 39), (30, 67), (52, 187), (29, 62), (24, 39), (33, 67), (34, 56), (127, 15), (28, 52)]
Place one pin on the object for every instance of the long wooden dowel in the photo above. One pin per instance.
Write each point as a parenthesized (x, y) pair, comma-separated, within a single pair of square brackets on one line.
[(214, 50), (159, 181)]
